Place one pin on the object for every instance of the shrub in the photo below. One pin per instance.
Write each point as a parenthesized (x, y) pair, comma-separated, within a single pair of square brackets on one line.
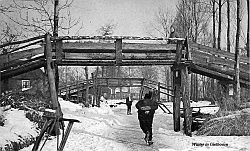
[(230, 125)]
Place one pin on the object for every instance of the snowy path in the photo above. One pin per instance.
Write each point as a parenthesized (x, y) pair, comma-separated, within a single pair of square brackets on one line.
[(102, 130)]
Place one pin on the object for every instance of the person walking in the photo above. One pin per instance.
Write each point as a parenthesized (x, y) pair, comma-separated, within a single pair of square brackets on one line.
[(129, 104), (146, 109)]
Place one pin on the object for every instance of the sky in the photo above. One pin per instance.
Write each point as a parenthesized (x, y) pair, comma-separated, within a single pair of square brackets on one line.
[(132, 17)]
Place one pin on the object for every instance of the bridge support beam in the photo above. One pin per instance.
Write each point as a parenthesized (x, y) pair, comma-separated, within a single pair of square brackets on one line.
[(86, 103), (181, 92), (51, 76), (186, 101), (176, 100), (0, 84)]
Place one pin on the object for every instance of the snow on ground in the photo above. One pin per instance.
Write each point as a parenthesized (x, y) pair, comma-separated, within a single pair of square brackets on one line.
[(101, 131), (17, 127)]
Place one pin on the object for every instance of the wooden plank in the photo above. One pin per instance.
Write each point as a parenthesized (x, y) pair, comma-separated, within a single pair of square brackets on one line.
[(205, 57), (97, 56), (214, 51), (209, 73), (90, 47), (221, 69), (216, 75), (22, 47), (112, 62), (203, 60), (111, 56), (230, 72), (23, 69), (21, 54), (14, 64), (21, 41)]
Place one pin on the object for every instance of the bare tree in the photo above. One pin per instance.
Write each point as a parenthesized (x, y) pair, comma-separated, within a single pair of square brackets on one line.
[(228, 25), (107, 29), (237, 55), (214, 23), (248, 29), (37, 17), (163, 20), (219, 25), (192, 19)]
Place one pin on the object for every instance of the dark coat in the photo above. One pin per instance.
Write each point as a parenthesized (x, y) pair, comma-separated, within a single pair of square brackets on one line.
[(146, 103), (128, 101)]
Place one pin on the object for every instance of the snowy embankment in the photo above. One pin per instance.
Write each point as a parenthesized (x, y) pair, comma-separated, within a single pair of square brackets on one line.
[(16, 130)]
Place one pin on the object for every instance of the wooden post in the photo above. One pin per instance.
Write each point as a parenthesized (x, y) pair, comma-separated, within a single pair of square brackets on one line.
[(186, 101), (66, 78), (119, 83), (118, 50), (97, 96), (59, 56), (118, 54), (51, 76), (77, 87), (87, 87), (177, 87), (94, 88), (176, 100), (159, 92), (0, 84)]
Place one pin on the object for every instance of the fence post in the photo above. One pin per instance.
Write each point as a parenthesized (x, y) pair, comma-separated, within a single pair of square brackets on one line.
[(159, 92), (177, 87), (87, 87)]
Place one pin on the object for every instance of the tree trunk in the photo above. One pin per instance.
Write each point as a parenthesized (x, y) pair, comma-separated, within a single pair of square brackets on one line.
[(214, 36), (219, 25), (248, 28), (228, 25), (237, 56)]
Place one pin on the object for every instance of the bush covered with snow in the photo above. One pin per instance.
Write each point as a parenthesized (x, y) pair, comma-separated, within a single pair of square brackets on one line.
[(227, 124), (31, 104), (22, 101)]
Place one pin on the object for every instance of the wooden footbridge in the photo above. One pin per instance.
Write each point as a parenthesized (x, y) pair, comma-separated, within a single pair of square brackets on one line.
[(182, 55)]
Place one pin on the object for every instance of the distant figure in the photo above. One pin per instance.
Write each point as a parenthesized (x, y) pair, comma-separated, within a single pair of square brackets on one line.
[(173, 34), (129, 104), (146, 109)]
